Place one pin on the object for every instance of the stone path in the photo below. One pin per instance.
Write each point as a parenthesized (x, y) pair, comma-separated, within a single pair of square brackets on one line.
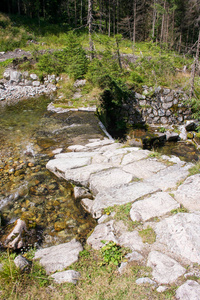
[(111, 174)]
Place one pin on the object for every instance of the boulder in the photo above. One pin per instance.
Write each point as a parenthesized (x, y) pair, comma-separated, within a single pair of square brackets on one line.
[(180, 234), (15, 76), (22, 263), (155, 205), (70, 276), (188, 193), (165, 269), (33, 76), (102, 232), (189, 290), (57, 258)]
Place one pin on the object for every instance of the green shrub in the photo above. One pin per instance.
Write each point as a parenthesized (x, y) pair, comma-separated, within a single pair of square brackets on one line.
[(112, 253)]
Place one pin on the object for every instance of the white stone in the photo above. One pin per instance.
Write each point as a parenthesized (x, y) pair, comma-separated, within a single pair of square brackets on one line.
[(57, 258), (108, 179), (190, 290), (135, 156), (188, 193), (169, 177), (21, 262), (118, 196), (66, 276), (134, 256), (165, 269), (156, 205), (131, 240), (144, 280), (33, 76), (61, 165), (180, 233), (77, 148), (36, 83), (161, 289), (144, 168), (82, 175), (80, 193), (101, 232)]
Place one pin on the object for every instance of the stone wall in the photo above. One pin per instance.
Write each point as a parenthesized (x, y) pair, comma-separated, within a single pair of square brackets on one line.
[(159, 106)]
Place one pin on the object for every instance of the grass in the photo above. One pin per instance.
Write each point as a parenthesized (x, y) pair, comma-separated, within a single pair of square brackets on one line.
[(98, 281), (148, 235), (195, 169)]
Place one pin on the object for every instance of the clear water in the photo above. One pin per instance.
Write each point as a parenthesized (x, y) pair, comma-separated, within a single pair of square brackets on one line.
[(28, 135)]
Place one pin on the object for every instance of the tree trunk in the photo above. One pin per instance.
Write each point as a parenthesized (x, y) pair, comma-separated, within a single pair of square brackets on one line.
[(109, 19), (134, 19), (154, 20), (194, 66), (162, 26), (90, 8)]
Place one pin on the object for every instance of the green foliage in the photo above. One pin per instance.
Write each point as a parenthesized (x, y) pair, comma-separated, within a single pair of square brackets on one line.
[(135, 77), (181, 209), (71, 60), (162, 129), (112, 253)]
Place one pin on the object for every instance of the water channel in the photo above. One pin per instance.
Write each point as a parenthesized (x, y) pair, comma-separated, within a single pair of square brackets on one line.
[(28, 137)]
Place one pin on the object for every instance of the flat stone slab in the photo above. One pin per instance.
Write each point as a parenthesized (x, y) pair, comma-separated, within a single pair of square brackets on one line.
[(165, 269), (102, 232), (57, 258), (180, 233), (188, 193), (118, 196), (144, 168), (169, 177), (82, 175), (66, 276), (61, 165), (156, 205), (131, 240), (108, 179), (135, 156), (189, 290)]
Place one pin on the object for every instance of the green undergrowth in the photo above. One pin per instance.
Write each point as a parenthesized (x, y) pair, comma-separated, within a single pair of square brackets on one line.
[(99, 278)]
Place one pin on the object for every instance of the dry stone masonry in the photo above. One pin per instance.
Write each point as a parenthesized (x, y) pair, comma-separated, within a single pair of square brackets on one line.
[(107, 174)]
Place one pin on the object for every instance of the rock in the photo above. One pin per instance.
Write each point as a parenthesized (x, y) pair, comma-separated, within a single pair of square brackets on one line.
[(66, 276), (21, 262), (81, 193), (122, 267), (36, 83), (102, 232), (156, 205), (131, 240), (172, 136), (165, 269), (108, 179), (61, 165), (33, 76), (135, 156), (118, 196), (180, 234), (82, 175), (169, 177), (144, 168), (191, 125), (161, 289), (15, 76), (6, 75), (57, 258), (134, 256), (77, 148), (188, 193), (190, 290), (144, 280), (80, 82)]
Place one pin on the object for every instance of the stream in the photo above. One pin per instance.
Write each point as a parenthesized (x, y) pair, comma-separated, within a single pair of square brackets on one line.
[(29, 135)]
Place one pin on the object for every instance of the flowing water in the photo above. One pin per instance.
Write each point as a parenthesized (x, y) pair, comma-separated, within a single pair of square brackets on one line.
[(28, 136)]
